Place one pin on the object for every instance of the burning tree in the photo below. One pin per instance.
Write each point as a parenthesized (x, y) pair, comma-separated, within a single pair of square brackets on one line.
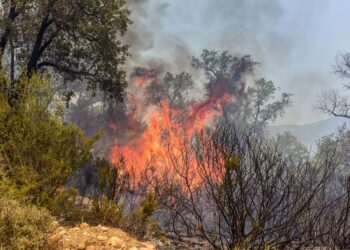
[(169, 111), (161, 137)]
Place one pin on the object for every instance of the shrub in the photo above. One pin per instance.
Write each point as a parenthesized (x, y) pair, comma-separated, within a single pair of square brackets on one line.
[(40, 151), (107, 212), (139, 222), (23, 226)]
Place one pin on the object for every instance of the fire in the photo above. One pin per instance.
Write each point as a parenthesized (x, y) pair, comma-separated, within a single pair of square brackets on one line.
[(166, 128), (143, 76), (142, 80)]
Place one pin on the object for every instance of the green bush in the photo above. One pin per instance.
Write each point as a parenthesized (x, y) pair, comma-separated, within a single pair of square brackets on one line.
[(23, 226), (139, 222), (39, 150), (107, 212)]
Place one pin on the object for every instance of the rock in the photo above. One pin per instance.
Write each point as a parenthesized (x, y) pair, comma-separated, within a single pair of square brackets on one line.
[(102, 238), (84, 225), (62, 232), (109, 248), (104, 229), (82, 245), (115, 242), (90, 248), (76, 229), (149, 245)]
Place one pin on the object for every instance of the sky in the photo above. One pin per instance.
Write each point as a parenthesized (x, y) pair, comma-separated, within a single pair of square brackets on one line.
[(296, 41)]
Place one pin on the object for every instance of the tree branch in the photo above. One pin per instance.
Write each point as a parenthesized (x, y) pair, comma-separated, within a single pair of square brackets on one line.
[(5, 36)]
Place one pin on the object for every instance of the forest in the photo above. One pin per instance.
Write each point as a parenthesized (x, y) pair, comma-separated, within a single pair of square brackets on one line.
[(179, 154)]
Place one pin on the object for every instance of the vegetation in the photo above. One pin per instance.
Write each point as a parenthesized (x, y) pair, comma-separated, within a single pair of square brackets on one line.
[(39, 151), (254, 106), (229, 184), (291, 147), (233, 188), (76, 40), (111, 205), (23, 226)]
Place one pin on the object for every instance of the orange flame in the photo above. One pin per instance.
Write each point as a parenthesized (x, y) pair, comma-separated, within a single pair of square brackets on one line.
[(142, 80), (165, 128)]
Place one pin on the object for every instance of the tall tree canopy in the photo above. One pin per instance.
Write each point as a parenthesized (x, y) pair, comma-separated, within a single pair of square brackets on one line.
[(255, 105), (77, 40)]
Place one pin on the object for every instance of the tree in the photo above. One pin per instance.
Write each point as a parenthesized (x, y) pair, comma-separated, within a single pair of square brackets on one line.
[(339, 141), (235, 189), (332, 102), (257, 108), (224, 67), (174, 89), (253, 106), (76, 40), (291, 147)]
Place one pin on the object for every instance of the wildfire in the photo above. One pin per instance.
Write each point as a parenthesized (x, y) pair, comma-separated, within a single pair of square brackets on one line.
[(166, 128), (143, 76)]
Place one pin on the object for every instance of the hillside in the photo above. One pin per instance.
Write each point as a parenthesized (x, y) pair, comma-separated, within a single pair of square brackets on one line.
[(310, 133)]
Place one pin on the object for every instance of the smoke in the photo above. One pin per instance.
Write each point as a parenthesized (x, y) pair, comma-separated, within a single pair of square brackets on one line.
[(156, 47), (148, 44), (286, 37), (166, 34), (166, 125)]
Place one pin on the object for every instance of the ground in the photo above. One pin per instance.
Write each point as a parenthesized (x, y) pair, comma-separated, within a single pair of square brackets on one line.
[(95, 238)]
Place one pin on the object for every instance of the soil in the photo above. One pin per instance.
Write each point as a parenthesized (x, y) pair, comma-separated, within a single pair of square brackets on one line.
[(86, 237)]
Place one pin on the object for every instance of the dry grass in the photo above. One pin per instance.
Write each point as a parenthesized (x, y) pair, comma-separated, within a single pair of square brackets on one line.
[(22, 226)]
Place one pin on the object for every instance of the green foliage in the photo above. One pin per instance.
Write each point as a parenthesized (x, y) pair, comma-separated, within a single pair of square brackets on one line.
[(23, 226), (62, 204), (175, 89), (335, 143), (139, 221), (291, 147), (232, 163), (39, 151), (256, 108), (108, 178), (106, 212), (148, 206), (79, 40), (219, 66)]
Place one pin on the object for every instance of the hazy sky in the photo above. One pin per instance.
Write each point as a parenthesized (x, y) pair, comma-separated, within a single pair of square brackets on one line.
[(295, 40)]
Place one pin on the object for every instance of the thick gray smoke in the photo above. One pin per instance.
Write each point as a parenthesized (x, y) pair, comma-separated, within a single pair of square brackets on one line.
[(148, 44), (285, 36), (165, 35)]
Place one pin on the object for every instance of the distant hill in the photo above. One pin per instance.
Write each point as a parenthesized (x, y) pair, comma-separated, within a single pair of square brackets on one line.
[(309, 133)]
